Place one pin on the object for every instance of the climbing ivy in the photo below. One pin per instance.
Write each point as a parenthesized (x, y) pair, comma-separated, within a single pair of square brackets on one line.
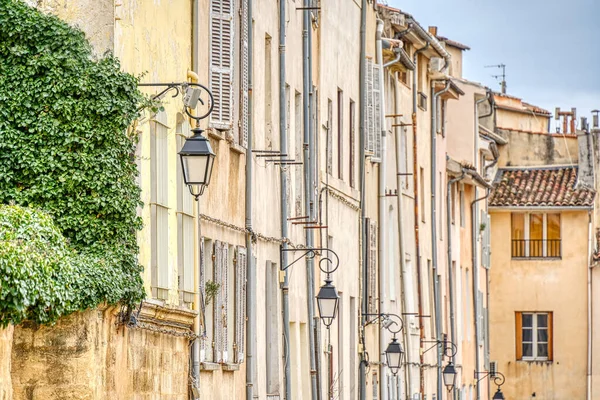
[(64, 149)]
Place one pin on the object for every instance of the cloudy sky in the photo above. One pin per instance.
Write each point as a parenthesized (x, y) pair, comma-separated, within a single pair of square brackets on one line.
[(551, 48)]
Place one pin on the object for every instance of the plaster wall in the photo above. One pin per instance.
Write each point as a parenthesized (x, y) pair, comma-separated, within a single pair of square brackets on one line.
[(534, 149), (6, 335), (524, 119), (558, 286)]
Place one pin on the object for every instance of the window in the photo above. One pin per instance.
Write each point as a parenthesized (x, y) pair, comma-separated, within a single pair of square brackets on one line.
[(159, 206), (340, 133), (453, 203), (244, 71), (220, 60), (352, 117), (422, 192), (373, 118), (329, 143), (268, 92), (462, 205), (535, 235), (298, 153), (403, 75), (534, 336), (422, 101)]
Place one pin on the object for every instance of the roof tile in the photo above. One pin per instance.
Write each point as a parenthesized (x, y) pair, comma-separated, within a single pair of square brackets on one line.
[(539, 187)]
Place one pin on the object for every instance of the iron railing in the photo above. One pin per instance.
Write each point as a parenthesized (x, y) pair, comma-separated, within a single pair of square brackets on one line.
[(536, 248)]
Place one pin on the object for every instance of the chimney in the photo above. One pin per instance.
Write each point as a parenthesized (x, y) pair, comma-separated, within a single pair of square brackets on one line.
[(433, 31), (595, 122), (568, 120), (585, 176)]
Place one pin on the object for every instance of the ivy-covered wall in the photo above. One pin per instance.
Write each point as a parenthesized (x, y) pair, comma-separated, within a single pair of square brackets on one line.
[(68, 238)]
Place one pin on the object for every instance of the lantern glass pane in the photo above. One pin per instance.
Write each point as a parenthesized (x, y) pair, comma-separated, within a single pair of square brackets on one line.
[(327, 307), (195, 168), (393, 360)]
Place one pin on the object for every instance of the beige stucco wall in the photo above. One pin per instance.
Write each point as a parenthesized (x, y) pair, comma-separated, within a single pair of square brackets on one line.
[(87, 356), (524, 119), (534, 149), (6, 335), (541, 285)]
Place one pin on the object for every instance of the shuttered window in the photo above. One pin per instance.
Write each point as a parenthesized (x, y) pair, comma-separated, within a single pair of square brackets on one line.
[(373, 123), (329, 137), (371, 262), (534, 333), (244, 69), (159, 200), (185, 228), (221, 260), (221, 33), (240, 304), (206, 302)]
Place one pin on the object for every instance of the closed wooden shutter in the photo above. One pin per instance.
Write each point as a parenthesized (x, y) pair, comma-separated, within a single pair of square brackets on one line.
[(221, 33), (550, 337), (519, 335), (377, 123), (244, 66), (240, 304), (219, 332), (370, 139)]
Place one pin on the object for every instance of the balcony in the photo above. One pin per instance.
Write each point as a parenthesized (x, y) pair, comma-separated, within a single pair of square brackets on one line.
[(536, 248)]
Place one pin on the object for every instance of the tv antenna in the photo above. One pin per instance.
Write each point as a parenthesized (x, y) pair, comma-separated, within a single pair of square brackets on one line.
[(502, 76)]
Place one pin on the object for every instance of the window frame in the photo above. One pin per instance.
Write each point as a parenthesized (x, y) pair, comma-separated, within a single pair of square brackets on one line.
[(534, 339), (527, 235)]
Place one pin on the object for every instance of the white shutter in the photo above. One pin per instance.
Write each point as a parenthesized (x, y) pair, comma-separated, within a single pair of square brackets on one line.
[(370, 139), (224, 292), (221, 62), (206, 353), (244, 117), (240, 304), (218, 300), (377, 123), (371, 235)]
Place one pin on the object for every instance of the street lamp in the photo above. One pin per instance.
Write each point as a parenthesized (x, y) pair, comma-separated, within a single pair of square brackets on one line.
[(328, 300), (499, 380), (449, 375), (498, 395), (197, 160), (393, 355)]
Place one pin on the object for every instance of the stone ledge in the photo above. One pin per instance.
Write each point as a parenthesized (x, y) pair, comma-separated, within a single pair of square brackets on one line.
[(209, 366), (230, 367)]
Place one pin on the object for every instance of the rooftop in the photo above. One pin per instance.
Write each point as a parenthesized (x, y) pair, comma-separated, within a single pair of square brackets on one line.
[(539, 187)]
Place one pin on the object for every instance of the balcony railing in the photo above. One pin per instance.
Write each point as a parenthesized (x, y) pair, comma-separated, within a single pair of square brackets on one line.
[(536, 248)]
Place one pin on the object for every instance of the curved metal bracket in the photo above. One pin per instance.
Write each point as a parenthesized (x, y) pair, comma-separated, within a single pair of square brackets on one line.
[(312, 253), (498, 377), (447, 345), (182, 87), (387, 317)]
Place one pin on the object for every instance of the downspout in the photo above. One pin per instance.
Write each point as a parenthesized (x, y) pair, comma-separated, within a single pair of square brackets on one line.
[(361, 170), (436, 283), (310, 286), (196, 344), (382, 219), (251, 265), (416, 216), (451, 272), (283, 146), (401, 246), (589, 309), (474, 226)]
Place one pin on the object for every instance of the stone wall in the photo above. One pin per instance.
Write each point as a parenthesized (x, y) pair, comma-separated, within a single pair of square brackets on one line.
[(5, 350), (88, 356)]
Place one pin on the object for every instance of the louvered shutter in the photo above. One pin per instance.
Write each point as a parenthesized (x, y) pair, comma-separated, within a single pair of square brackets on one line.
[(377, 123), (371, 235), (205, 351), (224, 292), (240, 304), (370, 139), (218, 301), (221, 65), (244, 117)]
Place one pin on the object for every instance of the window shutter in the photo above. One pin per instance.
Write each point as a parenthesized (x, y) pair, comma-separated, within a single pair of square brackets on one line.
[(240, 304), (221, 66), (225, 301), (519, 335), (550, 337), (206, 341), (370, 142), (372, 264), (244, 117), (377, 123), (480, 316), (218, 301), (485, 241)]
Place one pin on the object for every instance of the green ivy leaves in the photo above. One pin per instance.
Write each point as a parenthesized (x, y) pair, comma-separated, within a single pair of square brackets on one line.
[(64, 149)]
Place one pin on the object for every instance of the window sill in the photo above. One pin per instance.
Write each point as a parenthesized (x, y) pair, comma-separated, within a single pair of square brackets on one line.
[(209, 366), (536, 258), (236, 148), (215, 134), (230, 367), (547, 362)]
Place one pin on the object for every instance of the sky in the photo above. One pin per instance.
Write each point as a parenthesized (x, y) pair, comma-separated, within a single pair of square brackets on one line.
[(551, 48)]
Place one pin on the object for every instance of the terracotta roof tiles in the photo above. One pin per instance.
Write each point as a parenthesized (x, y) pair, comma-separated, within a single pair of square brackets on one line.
[(539, 187)]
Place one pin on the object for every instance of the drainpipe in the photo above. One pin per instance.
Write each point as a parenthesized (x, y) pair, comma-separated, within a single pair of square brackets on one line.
[(362, 377), (589, 308), (251, 265), (196, 344), (408, 389), (310, 286), (474, 228), (283, 146), (382, 217), (436, 283), (451, 272), (416, 216), (474, 219)]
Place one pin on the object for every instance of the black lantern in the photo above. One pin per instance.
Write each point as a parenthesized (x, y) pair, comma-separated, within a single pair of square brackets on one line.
[(393, 355), (197, 159), (327, 300), (449, 375), (498, 395)]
